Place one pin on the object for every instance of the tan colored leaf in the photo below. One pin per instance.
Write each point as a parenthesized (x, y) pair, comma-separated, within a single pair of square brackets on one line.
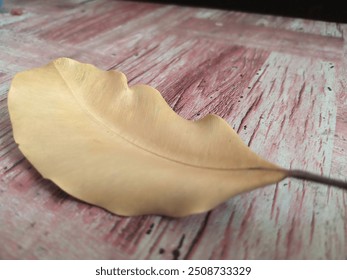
[(125, 149)]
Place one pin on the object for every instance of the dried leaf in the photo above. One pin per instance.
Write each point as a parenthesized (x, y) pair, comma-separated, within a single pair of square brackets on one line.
[(125, 149)]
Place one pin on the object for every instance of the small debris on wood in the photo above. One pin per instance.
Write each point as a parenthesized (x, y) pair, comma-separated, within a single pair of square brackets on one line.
[(16, 11), (161, 251)]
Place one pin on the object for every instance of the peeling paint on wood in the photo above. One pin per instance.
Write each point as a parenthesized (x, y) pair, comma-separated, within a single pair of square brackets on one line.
[(280, 82)]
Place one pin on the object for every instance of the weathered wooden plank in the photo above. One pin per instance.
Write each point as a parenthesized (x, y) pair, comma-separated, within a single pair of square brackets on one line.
[(279, 88), (284, 23), (274, 39), (280, 82)]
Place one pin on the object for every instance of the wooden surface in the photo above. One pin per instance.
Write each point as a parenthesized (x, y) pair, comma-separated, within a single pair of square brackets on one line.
[(280, 82)]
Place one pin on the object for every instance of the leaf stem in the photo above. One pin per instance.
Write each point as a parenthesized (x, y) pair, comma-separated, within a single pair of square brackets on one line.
[(303, 175)]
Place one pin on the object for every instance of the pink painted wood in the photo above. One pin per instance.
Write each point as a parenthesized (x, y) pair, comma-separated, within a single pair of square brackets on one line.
[(280, 82)]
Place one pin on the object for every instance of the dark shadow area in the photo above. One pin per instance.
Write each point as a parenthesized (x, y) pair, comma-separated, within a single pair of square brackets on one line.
[(325, 10)]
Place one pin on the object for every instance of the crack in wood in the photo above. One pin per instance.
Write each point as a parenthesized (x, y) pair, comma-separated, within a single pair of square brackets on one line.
[(176, 252), (197, 237)]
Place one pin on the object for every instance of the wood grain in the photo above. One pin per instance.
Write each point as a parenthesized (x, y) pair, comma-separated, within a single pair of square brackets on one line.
[(280, 82)]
